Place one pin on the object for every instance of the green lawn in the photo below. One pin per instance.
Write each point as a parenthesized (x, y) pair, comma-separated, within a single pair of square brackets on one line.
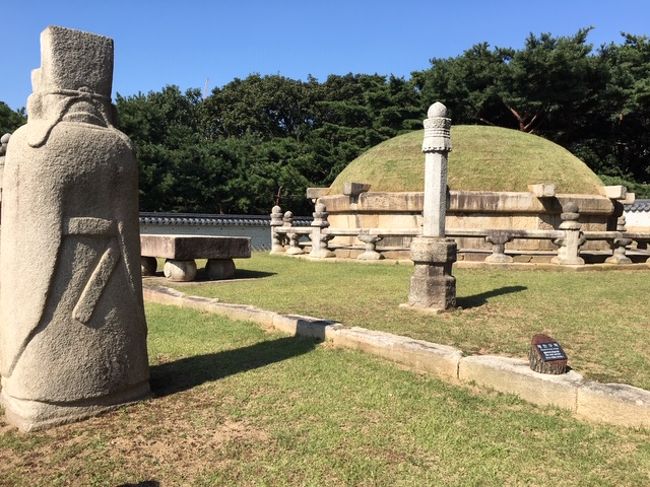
[(234, 406), (601, 318)]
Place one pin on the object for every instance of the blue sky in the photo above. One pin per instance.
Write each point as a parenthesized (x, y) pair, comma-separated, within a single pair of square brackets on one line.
[(188, 43)]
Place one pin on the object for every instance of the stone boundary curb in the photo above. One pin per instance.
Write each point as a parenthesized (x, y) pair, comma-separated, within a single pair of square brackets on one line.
[(618, 404), (470, 264)]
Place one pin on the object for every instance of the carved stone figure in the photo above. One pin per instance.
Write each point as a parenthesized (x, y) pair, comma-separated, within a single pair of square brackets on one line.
[(4, 141), (72, 325)]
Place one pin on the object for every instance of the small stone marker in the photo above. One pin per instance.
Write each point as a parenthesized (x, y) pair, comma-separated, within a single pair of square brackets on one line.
[(544, 190), (546, 356), (355, 189), (617, 192), (315, 193)]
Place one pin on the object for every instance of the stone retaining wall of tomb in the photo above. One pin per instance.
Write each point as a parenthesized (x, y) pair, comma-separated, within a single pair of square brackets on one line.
[(466, 210)]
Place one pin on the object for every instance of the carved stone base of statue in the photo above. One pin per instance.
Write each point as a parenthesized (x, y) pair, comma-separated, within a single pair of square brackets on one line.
[(433, 288), (29, 415)]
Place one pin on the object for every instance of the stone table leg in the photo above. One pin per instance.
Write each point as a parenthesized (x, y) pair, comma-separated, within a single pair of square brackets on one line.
[(217, 269), (148, 266), (180, 270)]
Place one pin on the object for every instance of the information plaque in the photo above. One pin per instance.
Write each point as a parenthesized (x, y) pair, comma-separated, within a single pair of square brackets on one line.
[(547, 356)]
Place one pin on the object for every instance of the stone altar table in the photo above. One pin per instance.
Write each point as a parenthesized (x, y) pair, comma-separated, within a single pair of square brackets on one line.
[(181, 252)]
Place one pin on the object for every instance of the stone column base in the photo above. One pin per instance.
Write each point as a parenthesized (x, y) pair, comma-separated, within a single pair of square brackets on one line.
[(433, 288), (29, 415), (322, 254), (294, 251), (277, 249), (618, 259), (575, 261)]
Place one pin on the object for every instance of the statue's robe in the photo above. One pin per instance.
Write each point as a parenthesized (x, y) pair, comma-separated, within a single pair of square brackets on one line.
[(72, 325)]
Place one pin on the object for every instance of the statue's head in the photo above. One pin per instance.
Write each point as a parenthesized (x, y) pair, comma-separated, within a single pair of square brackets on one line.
[(72, 60), (74, 81)]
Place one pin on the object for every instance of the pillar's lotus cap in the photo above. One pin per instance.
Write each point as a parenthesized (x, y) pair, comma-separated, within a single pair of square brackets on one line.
[(437, 133)]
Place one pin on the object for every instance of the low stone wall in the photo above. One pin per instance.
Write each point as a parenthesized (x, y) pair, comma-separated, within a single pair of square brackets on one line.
[(256, 227), (637, 216), (618, 404), (467, 210)]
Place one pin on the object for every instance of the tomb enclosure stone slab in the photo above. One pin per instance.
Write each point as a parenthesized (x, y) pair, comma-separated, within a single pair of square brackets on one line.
[(514, 376), (620, 404)]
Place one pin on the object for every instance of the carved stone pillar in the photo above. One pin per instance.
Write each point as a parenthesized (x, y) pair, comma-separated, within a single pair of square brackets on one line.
[(276, 238), (72, 324), (318, 237), (619, 245), (433, 287), (573, 239)]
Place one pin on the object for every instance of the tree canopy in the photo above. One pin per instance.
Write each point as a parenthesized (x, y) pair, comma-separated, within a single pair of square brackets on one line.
[(262, 140)]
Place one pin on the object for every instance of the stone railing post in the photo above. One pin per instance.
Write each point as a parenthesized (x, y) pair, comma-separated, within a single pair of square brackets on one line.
[(570, 243), (277, 239), (619, 245), (370, 243), (498, 239), (287, 223), (319, 237), (433, 288)]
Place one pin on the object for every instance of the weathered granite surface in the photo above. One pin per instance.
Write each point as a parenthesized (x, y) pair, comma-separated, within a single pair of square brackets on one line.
[(433, 287), (189, 247), (72, 324), (4, 142)]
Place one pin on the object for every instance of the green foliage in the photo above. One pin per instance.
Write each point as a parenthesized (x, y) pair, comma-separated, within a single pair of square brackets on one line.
[(258, 141), (596, 104), (261, 140), (10, 120)]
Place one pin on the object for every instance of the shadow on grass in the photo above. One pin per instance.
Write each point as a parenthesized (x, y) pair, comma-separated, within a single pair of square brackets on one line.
[(201, 275), (248, 274), (145, 483), (186, 373), (480, 299)]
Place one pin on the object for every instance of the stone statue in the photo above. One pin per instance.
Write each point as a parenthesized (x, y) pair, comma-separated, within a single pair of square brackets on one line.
[(4, 141), (72, 325)]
